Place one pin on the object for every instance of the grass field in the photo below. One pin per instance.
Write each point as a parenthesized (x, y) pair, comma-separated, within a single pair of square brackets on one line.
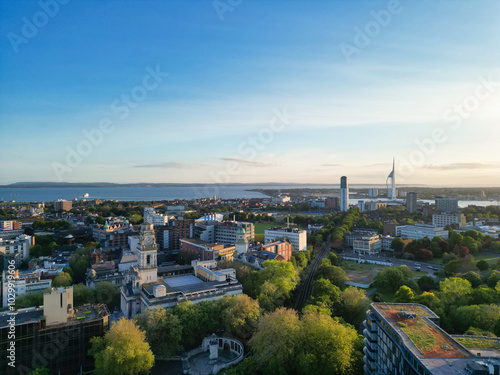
[(260, 228)]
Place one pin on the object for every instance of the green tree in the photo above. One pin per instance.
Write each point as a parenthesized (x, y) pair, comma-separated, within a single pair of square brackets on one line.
[(354, 305), (106, 292), (275, 341), (482, 265), (392, 278), (62, 280), (82, 295), (325, 346), (404, 295), (455, 291), (163, 331), (397, 245), (241, 315), (335, 274), (122, 351), (474, 278)]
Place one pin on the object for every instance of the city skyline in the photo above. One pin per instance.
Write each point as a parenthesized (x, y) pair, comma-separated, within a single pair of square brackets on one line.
[(260, 93)]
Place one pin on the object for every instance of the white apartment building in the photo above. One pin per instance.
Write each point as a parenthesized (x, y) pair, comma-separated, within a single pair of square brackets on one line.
[(23, 283), (367, 245), (443, 220), (21, 245), (152, 217), (419, 231), (297, 237)]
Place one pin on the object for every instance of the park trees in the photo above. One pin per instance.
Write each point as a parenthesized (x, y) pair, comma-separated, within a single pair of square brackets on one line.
[(404, 295), (317, 343), (354, 305), (122, 351), (163, 331), (62, 280), (392, 278), (241, 315), (106, 292), (455, 291)]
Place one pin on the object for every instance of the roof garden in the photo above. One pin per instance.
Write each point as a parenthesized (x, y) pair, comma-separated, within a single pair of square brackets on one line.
[(90, 312), (414, 323), (474, 342)]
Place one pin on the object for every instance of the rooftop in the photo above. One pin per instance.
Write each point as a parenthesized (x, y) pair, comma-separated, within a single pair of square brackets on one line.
[(414, 323)]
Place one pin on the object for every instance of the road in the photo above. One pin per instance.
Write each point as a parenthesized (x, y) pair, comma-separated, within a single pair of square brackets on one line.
[(430, 268), (305, 290)]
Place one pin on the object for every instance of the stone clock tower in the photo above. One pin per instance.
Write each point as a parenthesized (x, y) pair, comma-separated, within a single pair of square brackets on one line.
[(148, 250)]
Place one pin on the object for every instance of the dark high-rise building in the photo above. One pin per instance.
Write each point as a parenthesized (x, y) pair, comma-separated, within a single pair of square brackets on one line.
[(344, 194), (55, 336), (411, 202)]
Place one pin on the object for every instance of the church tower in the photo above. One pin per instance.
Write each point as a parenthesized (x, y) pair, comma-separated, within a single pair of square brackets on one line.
[(147, 255)]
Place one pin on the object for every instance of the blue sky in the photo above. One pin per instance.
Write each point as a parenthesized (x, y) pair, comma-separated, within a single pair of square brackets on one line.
[(228, 76)]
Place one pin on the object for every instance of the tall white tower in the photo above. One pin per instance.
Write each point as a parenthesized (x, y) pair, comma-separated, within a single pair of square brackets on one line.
[(391, 188), (241, 241), (147, 255), (344, 194)]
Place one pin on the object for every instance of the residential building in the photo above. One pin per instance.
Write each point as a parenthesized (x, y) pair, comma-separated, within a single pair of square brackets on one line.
[(297, 237), (147, 290), (374, 206), (24, 282), (344, 194), (10, 225), (62, 205), (332, 203), (419, 231), (411, 202), (367, 244), (223, 232), (152, 217), (55, 336), (444, 219), (20, 245), (373, 193), (207, 251), (405, 339), (317, 203), (283, 248), (444, 204), (168, 236)]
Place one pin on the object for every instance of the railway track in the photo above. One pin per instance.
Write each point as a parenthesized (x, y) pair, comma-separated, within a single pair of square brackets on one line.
[(306, 287)]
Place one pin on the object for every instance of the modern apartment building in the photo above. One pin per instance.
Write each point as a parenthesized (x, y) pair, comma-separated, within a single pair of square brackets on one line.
[(56, 336), (344, 194), (419, 231), (297, 237), (444, 204), (411, 202), (445, 219), (62, 205), (20, 245), (405, 339)]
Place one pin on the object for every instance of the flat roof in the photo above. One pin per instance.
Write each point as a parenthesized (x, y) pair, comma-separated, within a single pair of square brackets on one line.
[(179, 281), (421, 335)]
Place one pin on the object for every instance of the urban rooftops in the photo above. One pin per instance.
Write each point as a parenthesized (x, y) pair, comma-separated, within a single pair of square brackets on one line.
[(416, 325)]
